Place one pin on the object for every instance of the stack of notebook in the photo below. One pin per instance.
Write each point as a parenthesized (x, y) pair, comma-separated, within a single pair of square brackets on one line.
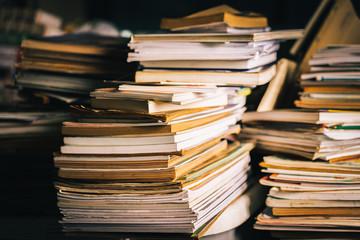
[(159, 155), (314, 174), (124, 169), (66, 68), (312, 154), (333, 80), (210, 54)]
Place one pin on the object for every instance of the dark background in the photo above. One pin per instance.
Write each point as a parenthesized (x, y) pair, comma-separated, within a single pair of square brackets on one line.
[(141, 16)]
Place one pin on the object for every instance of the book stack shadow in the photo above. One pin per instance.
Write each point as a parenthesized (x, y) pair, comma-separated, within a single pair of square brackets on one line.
[(311, 154)]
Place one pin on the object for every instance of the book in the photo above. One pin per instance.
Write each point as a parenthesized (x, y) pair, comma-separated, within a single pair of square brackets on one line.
[(310, 187), (175, 204), (163, 148), (309, 203), (303, 116), (301, 211), (89, 129), (312, 224), (81, 111), (118, 161), (218, 14), (282, 165), (172, 94), (218, 37), (78, 46), (219, 77), (322, 195), (146, 174), (153, 51), (334, 76), (316, 103), (212, 64), (325, 88), (143, 139), (43, 64), (150, 106), (218, 28)]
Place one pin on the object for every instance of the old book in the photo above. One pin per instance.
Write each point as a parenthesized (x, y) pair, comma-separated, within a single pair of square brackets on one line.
[(149, 174), (173, 94), (80, 111), (212, 64), (152, 128), (162, 148), (315, 103), (218, 37), (215, 186), (119, 161), (304, 116), (250, 78), (112, 69), (108, 129), (218, 14), (311, 224), (309, 203), (176, 51), (195, 51), (178, 95), (321, 195), (219, 28), (150, 106), (271, 163), (325, 88), (79, 45), (329, 211), (143, 139), (311, 187)]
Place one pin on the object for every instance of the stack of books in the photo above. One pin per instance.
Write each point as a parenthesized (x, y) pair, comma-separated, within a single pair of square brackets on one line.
[(217, 56), (159, 155), (67, 68), (133, 169), (222, 18), (313, 134), (311, 155), (311, 164), (333, 80)]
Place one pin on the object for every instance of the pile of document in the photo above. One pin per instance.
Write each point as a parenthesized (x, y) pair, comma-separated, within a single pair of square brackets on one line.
[(333, 80), (311, 155), (132, 167), (160, 155), (221, 58), (210, 53), (311, 163), (64, 69)]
